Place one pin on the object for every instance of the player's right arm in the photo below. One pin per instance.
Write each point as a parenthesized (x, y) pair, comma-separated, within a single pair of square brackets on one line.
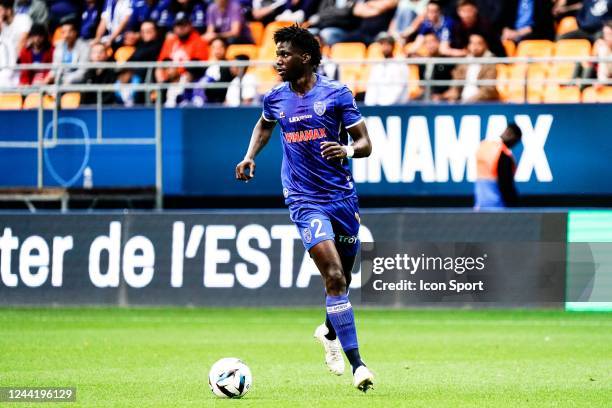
[(261, 134)]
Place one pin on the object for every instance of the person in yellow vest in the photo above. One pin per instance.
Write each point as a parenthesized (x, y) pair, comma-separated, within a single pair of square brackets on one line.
[(495, 168)]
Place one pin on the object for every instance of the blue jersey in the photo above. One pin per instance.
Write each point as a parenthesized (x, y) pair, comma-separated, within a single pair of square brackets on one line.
[(322, 114)]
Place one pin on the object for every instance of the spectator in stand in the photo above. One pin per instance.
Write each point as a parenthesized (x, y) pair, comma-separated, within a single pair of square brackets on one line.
[(471, 22), (564, 8), (125, 94), (8, 59), (60, 10), (591, 19), (35, 9), (438, 72), (267, 10), (100, 76), (214, 74), (603, 49), (225, 19), (531, 19), (434, 22), (388, 80), (327, 67), (38, 51), (115, 17), (333, 14), (474, 71), (493, 10), (90, 18), (14, 29), (148, 48), (405, 21), (70, 50), (147, 10), (194, 9), (374, 17), (243, 88), (298, 10), (184, 44)]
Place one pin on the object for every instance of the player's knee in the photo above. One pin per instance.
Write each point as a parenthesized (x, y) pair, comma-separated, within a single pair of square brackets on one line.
[(335, 281)]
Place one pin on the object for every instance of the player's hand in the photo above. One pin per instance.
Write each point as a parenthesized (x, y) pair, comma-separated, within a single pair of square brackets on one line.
[(241, 168), (332, 150)]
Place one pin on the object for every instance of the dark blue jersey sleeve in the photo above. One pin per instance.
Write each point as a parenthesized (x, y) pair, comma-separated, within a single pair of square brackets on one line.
[(349, 114)]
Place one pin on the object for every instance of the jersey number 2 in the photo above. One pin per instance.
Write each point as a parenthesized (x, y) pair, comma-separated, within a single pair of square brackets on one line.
[(317, 222)]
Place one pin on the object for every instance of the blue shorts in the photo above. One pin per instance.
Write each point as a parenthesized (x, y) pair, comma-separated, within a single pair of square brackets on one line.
[(338, 220)]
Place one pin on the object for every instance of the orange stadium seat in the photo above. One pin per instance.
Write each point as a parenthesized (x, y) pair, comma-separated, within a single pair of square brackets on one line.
[(562, 94), (257, 30), (249, 50), (70, 100), (535, 48), (124, 53), (10, 101), (350, 74), (57, 36), (592, 95), (535, 75), (32, 101), (414, 89), (268, 34), (564, 71), (510, 47), (374, 52), (267, 77), (503, 73), (566, 25)]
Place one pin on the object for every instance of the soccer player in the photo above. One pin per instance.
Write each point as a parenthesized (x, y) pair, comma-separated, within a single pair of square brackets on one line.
[(316, 116)]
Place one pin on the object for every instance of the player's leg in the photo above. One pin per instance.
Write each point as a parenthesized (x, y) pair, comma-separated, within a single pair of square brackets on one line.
[(347, 261), (314, 227), (339, 309), (344, 216)]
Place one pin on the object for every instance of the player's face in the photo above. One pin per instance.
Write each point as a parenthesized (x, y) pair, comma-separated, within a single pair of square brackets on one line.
[(290, 62)]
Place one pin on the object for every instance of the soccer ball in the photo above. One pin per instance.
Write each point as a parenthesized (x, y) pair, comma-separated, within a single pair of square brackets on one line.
[(230, 378)]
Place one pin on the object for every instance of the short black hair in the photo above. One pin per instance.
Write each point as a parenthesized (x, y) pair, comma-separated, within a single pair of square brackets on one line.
[(462, 3), (9, 4), (515, 130), (300, 38), (435, 3)]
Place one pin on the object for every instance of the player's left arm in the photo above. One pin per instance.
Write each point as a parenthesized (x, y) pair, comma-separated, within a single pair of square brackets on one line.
[(361, 146)]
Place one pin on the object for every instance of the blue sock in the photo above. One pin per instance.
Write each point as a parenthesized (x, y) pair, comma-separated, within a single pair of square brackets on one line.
[(340, 313)]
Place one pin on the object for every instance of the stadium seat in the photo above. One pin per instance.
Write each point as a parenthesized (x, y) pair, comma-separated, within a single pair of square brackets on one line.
[(566, 25), (503, 73), (592, 95), (10, 101), (535, 75), (124, 53), (562, 94), (414, 89), (510, 48), (374, 52), (70, 100), (247, 49), (32, 101), (535, 48), (57, 36), (267, 77), (564, 71), (268, 34), (257, 30), (352, 74)]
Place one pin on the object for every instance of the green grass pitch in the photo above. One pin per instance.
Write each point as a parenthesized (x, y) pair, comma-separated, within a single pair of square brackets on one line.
[(422, 358)]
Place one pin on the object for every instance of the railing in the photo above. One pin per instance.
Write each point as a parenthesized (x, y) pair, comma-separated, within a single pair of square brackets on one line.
[(57, 89), (426, 83)]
